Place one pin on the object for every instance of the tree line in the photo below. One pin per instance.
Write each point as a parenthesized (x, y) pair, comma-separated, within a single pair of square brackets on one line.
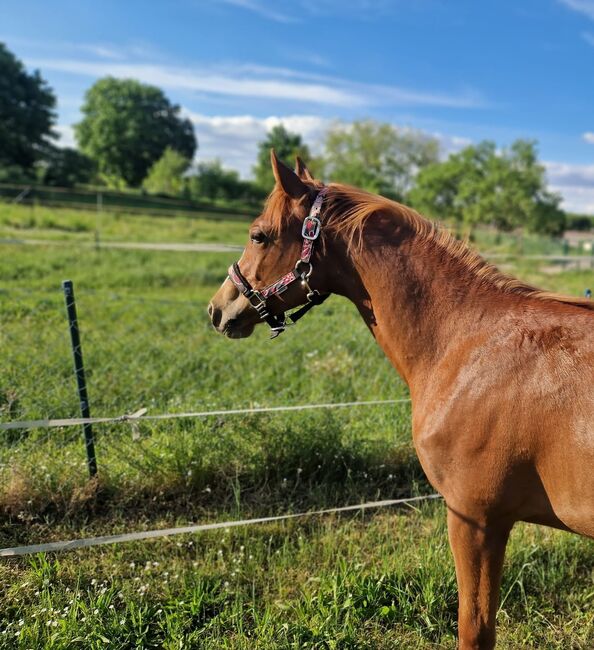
[(131, 135)]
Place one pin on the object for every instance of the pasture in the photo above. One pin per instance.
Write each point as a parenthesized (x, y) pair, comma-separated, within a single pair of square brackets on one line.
[(382, 579)]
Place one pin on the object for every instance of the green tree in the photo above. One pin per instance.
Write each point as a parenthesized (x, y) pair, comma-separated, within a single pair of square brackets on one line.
[(287, 146), (479, 184), (166, 176), (377, 157), (26, 114), (127, 126), (211, 181), (65, 167)]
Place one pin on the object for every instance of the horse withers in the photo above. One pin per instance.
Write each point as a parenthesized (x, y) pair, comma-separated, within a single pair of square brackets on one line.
[(501, 375)]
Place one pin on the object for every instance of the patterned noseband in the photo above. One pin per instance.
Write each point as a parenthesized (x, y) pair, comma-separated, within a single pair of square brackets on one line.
[(302, 271)]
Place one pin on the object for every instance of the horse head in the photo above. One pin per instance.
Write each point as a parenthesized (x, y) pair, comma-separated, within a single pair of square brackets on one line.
[(275, 271)]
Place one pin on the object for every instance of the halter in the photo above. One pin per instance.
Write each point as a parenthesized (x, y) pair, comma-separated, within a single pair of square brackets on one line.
[(302, 271)]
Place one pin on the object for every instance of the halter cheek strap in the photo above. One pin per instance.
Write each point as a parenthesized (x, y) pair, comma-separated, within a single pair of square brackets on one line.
[(302, 271)]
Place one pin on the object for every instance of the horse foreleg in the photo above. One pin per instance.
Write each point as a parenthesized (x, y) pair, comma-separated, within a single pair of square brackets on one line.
[(478, 554)]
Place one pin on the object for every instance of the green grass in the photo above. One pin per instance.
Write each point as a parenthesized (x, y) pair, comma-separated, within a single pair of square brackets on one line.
[(380, 580), (36, 222)]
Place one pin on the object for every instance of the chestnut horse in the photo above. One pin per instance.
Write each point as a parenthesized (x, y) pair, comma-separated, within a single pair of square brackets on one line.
[(501, 375)]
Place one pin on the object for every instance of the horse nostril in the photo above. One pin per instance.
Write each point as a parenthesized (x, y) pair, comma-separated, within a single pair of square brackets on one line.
[(215, 315)]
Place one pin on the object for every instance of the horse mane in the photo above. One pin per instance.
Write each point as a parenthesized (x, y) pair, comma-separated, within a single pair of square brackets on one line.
[(348, 209)]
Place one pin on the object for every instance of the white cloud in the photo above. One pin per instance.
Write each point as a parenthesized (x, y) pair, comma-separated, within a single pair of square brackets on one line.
[(450, 143), (65, 135), (588, 137), (262, 10), (575, 183), (585, 7), (264, 82), (234, 139), (304, 9)]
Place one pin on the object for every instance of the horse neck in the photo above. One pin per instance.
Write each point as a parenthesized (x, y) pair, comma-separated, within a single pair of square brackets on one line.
[(415, 300)]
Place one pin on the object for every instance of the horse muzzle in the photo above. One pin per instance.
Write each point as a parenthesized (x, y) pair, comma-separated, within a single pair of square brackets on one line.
[(232, 316)]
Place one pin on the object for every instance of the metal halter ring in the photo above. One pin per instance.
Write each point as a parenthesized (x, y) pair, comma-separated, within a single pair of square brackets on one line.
[(302, 274)]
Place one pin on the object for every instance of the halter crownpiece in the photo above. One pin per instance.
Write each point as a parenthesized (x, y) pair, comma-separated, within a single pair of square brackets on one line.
[(302, 271)]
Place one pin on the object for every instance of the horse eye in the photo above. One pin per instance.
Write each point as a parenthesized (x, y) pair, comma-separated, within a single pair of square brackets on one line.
[(258, 237)]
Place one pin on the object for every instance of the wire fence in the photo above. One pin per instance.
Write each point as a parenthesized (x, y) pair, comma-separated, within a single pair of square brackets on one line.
[(171, 402), (168, 397), (105, 200)]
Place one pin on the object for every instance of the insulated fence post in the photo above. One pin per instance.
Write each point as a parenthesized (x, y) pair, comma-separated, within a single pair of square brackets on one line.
[(79, 371)]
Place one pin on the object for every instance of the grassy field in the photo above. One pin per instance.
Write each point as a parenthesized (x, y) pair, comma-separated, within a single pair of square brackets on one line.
[(380, 580)]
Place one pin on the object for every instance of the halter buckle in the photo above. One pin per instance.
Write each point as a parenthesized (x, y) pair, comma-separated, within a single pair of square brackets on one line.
[(259, 304), (311, 228)]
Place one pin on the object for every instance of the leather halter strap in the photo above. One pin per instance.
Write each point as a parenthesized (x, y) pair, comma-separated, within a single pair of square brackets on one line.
[(310, 231)]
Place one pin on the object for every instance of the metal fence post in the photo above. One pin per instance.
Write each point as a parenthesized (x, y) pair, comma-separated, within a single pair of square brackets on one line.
[(79, 371), (98, 219)]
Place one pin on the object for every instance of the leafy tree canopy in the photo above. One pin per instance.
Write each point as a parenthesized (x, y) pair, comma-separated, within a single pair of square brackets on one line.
[(287, 146), (166, 176), (65, 167), (26, 113), (127, 126), (377, 157), (211, 181), (506, 189)]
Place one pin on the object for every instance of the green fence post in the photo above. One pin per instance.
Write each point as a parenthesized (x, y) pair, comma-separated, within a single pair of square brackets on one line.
[(79, 371)]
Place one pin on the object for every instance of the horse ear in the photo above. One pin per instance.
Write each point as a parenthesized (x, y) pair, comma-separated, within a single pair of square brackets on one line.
[(286, 178), (302, 171)]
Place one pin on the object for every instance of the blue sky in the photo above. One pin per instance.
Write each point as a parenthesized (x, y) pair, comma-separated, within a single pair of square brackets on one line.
[(462, 70)]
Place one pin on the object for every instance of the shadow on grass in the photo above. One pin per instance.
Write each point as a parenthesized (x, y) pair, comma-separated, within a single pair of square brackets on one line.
[(194, 470)]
